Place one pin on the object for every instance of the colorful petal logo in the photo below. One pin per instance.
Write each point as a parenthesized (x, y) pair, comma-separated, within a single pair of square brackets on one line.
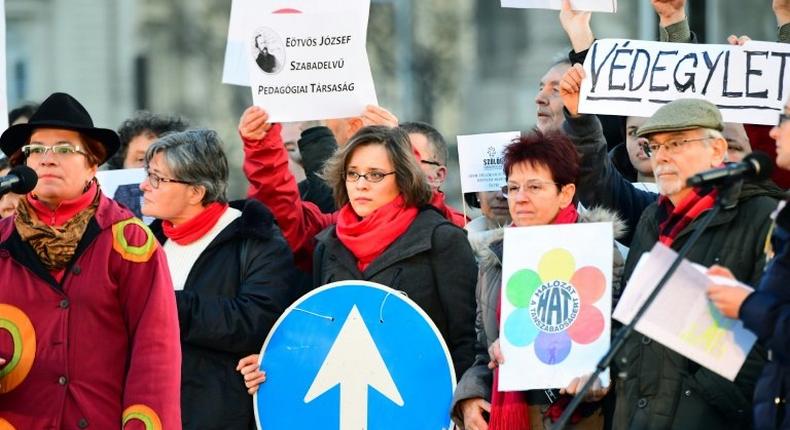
[(555, 306)]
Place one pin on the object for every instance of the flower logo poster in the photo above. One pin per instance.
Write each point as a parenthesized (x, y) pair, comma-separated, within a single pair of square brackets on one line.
[(555, 305)]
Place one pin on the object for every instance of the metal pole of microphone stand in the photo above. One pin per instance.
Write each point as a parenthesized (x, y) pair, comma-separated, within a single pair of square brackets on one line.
[(724, 199)]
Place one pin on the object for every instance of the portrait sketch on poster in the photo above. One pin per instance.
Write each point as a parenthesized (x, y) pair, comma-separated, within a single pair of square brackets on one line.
[(590, 5), (480, 160), (748, 83), (555, 304), (235, 70), (308, 66), (682, 318)]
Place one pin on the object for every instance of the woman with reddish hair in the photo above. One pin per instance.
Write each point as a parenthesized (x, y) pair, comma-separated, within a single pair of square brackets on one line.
[(541, 171)]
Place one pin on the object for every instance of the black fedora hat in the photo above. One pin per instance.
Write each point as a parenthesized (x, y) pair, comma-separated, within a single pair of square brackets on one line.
[(59, 110)]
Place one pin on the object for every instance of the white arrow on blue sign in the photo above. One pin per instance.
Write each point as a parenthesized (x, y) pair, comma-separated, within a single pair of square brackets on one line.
[(355, 355)]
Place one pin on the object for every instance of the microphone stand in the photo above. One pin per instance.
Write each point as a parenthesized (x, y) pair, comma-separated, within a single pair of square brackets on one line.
[(725, 199)]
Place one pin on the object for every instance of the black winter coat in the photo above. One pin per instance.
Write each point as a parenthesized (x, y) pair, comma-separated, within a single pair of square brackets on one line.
[(234, 293), (316, 145), (431, 262), (664, 390)]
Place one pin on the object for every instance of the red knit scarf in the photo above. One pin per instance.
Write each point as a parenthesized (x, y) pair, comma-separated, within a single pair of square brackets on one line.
[(510, 409), (673, 219), (196, 227), (368, 237)]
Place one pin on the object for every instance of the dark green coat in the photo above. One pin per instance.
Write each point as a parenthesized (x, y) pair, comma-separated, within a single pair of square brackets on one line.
[(662, 389)]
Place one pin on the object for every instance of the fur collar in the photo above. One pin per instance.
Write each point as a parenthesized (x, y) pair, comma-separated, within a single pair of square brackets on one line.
[(486, 256)]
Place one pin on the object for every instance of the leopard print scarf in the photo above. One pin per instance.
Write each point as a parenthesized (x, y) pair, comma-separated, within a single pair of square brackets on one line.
[(54, 246)]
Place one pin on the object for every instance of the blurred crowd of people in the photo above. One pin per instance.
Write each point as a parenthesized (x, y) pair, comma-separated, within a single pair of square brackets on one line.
[(119, 323)]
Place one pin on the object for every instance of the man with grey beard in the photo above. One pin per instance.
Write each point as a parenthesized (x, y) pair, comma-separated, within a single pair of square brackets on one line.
[(663, 389), (657, 387)]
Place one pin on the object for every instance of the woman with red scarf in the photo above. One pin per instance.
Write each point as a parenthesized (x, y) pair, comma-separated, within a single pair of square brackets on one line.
[(387, 232), (232, 272), (541, 171)]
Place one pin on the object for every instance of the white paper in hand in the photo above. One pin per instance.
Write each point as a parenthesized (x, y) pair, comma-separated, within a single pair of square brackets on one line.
[(682, 318)]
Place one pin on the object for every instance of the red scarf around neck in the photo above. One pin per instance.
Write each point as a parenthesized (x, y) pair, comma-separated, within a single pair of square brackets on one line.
[(368, 237), (510, 409), (196, 227), (673, 219), (66, 210)]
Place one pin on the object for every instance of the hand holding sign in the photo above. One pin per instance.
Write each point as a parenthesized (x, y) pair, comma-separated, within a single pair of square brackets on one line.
[(726, 297), (738, 41), (596, 393), (570, 88), (782, 11), (253, 375), (377, 115), (254, 123), (495, 355), (669, 11), (577, 27)]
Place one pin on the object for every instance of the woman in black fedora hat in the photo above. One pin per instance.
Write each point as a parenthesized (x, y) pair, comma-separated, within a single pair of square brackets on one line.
[(86, 294)]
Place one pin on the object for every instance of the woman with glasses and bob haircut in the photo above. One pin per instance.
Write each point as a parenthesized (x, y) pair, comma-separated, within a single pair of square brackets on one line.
[(386, 232), (86, 292), (232, 271), (541, 171)]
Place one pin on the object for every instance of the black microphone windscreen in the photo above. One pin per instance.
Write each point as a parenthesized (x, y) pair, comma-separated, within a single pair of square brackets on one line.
[(764, 166), (27, 179)]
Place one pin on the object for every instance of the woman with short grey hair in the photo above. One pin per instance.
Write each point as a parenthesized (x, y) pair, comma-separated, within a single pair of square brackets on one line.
[(232, 271)]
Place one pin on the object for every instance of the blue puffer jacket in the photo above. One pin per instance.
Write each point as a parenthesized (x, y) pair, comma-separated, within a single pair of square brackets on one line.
[(766, 312)]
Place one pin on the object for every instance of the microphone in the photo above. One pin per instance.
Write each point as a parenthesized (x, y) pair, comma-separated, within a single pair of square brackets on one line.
[(20, 180), (757, 165)]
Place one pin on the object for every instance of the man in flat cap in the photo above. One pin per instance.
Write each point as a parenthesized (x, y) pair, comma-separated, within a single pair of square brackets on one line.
[(659, 388), (663, 389)]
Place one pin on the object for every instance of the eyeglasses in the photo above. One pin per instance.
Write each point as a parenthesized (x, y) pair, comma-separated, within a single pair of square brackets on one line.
[(782, 118), (672, 146), (533, 188), (155, 180), (431, 162), (61, 149), (373, 176)]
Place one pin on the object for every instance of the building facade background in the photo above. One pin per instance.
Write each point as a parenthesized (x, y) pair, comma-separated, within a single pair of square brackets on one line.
[(466, 66)]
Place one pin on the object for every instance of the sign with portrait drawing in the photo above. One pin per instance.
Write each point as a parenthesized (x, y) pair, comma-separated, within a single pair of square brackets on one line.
[(308, 66), (235, 70)]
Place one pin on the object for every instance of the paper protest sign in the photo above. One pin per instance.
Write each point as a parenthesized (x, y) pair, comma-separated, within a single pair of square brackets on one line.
[(309, 66), (235, 70), (480, 160), (591, 5), (635, 77), (682, 318), (123, 186), (556, 300)]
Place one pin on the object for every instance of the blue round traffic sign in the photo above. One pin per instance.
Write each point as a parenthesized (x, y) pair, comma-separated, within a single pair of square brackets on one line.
[(355, 355)]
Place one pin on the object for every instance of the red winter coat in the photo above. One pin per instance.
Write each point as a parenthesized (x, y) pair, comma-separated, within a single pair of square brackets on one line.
[(266, 168), (99, 348)]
